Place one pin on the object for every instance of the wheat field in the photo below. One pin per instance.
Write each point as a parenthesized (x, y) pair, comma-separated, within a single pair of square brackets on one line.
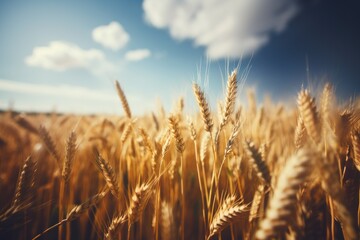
[(245, 171)]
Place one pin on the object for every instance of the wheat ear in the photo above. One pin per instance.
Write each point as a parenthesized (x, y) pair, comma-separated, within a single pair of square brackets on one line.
[(125, 134), (108, 174), (50, 145), (257, 163), (146, 140), (356, 146), (204, 107), (69, 157), (26, 182), (139, 200), (300, 134), (123, 99), (230, 210), (309, 114), (115, 226), (326, 99), (193, 133), (231, 91), (175, 130), (24, 122), (256, 203)]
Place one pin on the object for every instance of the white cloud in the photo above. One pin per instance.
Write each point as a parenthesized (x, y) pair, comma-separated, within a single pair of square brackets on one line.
[(111, 36), (137, 55), (61, 56), (226, 28)]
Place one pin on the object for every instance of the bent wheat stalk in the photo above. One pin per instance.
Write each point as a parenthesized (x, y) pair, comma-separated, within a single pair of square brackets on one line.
[(77, 211)]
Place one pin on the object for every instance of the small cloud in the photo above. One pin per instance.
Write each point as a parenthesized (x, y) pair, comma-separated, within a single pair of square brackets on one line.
[(137, 55), (226, 28), (112, 36), (61, 56)]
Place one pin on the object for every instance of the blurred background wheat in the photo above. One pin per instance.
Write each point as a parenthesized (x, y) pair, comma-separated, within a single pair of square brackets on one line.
[(247, 172)]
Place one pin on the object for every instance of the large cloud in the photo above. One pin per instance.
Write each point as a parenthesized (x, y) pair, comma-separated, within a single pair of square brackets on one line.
[(61, 56), (111, 36), (226, 28), (137, 55)]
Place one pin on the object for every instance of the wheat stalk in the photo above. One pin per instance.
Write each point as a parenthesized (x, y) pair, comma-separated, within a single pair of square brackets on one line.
[(229, 146), (76, 211), (328, 171)]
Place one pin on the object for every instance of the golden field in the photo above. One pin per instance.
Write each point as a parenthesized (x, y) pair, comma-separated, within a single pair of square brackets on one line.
[(242, 172)]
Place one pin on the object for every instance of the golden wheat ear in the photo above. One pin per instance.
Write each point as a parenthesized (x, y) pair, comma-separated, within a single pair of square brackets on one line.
[(123, 99), (345, 122), (231, 91), (309, 115), (24, 192), (115, 226), (356, 147), (257, 163), (126, 133), (326, 104), (204, 107), (140, 199), (300, 134), (69, 157), (175, 130), (108, 173), (229, 211), (25, 123), (26, 182), (50, 145)]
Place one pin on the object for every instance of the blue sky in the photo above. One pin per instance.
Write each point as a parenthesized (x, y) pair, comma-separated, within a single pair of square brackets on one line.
[(66, 54)]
